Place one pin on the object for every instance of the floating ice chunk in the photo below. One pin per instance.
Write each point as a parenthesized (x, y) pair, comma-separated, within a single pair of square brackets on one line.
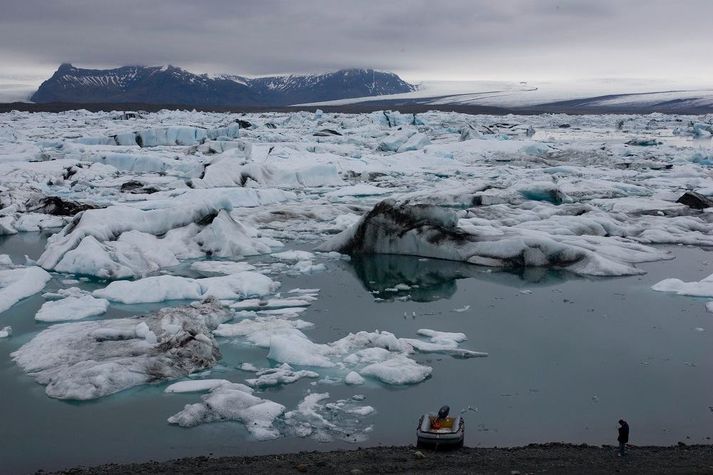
[(232, 402), (397, 370), (293, 256), (238, 286), (5, 332), (703, 288), (325, 421), (89, 360), (392, 142), (307, 267), (709, 306), (283, 374), (17, 284), (260, 330), (297, 349), (225, 237), (5, 260), (169, 287), (77, 306), (283, 173), (442, 337), (303, 291), (353, 378), (415, 142), (361, 189), (197, 386), (221, 267), (276, 303), (462, 309), (151, 289)]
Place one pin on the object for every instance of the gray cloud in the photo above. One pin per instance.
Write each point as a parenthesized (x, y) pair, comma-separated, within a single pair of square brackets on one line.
[(515, 39)]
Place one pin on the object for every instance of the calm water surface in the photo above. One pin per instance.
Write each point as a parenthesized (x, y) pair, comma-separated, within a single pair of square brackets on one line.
[(567, 358)]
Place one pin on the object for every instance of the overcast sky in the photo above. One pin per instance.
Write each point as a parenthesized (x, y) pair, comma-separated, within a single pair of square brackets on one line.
[(419, 39)]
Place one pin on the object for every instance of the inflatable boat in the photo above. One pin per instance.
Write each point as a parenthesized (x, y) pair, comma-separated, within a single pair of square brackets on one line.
[(440, 430)]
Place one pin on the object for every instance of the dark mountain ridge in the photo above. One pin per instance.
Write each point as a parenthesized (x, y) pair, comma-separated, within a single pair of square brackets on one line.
[(173, 85)]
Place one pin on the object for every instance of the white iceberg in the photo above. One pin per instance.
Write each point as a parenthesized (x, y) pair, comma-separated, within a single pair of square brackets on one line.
[(20, 283)]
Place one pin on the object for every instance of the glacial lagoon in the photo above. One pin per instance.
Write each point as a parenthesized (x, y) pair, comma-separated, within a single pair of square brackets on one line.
[(567, 357)]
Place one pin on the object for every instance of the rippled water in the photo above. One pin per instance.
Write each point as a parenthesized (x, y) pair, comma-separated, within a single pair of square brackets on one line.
[(567, 358)]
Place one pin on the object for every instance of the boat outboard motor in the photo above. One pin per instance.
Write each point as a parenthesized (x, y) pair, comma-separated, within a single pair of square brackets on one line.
[(443, 412)]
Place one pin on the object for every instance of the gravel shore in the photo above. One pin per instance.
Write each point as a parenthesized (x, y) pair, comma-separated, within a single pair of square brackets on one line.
[(550, 458)]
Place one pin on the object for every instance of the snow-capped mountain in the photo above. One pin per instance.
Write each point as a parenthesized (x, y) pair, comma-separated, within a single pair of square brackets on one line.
[(173, 85)]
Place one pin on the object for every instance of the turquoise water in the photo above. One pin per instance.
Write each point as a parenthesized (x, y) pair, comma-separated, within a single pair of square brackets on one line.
[(566, 361)]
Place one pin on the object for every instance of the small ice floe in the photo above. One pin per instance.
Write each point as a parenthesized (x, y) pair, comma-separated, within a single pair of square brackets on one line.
[(293, 256), (89, 360), (221, 267), (308, 267), (303, 291), (5, 260), (354, 378), (703, 288), (274, 303), (526, 292), (443, 342), (5, 332), (380, 355), (325, 421), (76, 304), (248, 367), (283, 374), (20, 283), (170, 287), (197, 386), (233, 402), (462, 309)]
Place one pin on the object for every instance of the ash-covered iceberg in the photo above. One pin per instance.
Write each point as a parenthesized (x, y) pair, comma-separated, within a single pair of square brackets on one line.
[(427, 230), (89, 360)]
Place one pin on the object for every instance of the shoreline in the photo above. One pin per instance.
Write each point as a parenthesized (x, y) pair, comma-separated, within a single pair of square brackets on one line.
[(534, 458)]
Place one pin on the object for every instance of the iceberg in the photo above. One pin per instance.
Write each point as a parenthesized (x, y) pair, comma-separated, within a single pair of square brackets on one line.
[(76, 305), (90, 360), (436, 232), (231, 402), (241, 285), (20, 283)]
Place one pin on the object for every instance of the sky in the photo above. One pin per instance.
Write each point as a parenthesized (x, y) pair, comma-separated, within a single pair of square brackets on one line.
[(418, 39)]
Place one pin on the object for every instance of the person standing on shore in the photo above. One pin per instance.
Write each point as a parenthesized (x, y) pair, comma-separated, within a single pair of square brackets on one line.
[(623, 437)]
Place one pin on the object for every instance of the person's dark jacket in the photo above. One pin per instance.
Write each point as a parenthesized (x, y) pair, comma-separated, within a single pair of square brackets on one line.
[(623, 433)]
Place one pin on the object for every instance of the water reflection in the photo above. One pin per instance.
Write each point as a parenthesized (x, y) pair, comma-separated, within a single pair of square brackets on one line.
[(391, 277)]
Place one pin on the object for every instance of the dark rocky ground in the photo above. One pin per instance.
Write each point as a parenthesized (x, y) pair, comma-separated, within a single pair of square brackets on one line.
[(547, 458)]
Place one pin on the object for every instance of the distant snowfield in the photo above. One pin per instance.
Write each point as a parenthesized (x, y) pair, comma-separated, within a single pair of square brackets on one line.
[(193, 211), (526, 94)]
